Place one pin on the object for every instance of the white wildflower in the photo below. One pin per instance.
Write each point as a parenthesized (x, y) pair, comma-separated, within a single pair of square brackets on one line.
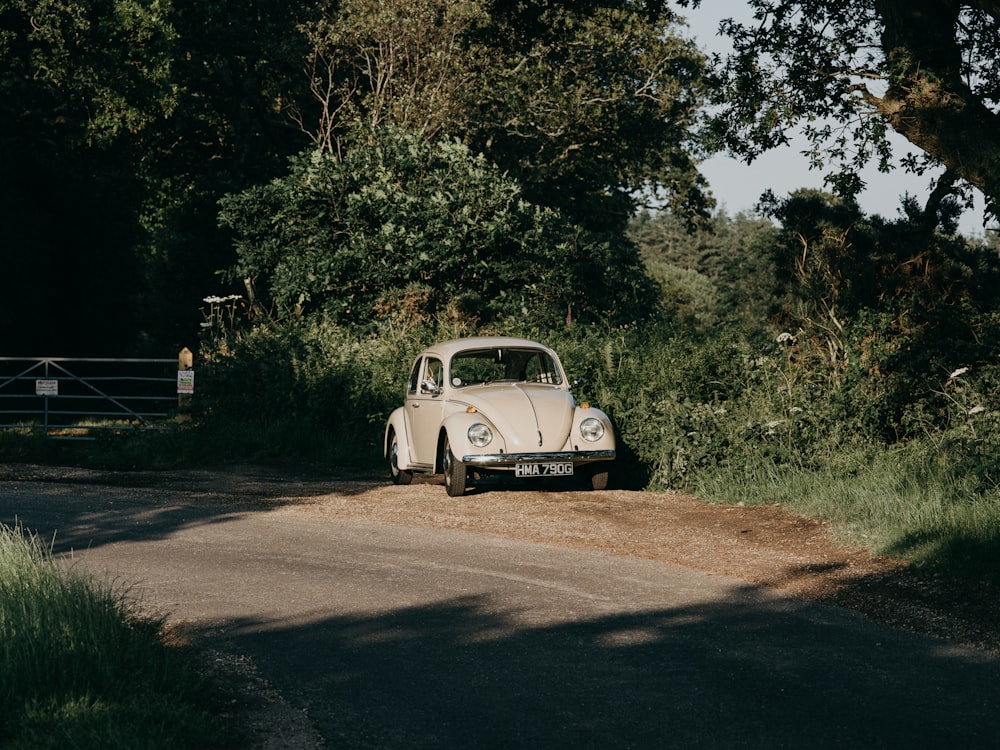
[(775, 423), (213, 300), (977, 410), (958, 373), (795, 410), (785, 337)]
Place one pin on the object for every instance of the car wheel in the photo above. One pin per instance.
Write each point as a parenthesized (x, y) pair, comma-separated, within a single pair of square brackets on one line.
[(454, 472), (599, 479), (399, 476)]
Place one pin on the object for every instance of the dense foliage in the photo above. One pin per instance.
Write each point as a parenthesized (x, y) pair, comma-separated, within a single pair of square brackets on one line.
[(785, 320), (82, 85), (885, 310), (719, 276), (588, 105), (399, 226), (125, 122)]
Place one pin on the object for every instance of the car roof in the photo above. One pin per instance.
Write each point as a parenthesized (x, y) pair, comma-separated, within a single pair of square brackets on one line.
[(447, 349)]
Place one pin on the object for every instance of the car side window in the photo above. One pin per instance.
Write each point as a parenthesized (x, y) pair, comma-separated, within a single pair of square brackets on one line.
[(414, 376), (433, 375), (540, 368), (532, 369)]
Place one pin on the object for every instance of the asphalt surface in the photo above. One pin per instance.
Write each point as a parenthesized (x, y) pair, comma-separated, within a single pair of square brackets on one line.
[(406, 637)]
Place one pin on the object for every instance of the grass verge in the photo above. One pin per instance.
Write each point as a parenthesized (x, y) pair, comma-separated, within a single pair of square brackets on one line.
[(885, 501), (82, 668)]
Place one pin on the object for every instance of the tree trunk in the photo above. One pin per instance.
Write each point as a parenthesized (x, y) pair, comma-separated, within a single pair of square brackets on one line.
[(928, 102)]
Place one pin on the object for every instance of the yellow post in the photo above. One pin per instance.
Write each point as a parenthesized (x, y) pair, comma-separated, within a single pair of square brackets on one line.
[(185, 363)]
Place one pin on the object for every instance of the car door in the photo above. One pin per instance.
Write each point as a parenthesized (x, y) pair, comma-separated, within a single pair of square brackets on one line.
[(424, 409)]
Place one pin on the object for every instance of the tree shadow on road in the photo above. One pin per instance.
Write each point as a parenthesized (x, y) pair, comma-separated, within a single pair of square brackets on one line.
[(753, 671), (83, 508)]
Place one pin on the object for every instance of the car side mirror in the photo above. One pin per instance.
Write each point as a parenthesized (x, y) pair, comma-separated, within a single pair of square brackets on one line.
[(578, 381)]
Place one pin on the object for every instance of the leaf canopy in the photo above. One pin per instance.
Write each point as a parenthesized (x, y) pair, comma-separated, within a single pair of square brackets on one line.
[(851, 71), (348, 237)]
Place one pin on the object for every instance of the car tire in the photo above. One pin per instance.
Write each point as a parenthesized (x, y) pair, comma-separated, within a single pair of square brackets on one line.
[(454, 471), (399, 476), (599, 479)]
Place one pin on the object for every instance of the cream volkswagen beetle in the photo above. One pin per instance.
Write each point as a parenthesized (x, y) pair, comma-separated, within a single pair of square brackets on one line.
[(495, 404)]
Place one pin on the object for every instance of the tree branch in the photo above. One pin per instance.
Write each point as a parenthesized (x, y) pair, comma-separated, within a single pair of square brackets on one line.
[(927, 101)]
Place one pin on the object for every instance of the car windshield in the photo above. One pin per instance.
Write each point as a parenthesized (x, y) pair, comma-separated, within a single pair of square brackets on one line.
[(478, 366)]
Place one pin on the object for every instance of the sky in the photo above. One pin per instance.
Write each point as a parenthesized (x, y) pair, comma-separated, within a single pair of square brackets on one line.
[(738, 186)]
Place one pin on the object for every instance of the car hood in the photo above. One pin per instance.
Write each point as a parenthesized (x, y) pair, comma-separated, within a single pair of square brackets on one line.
[(529, 417)]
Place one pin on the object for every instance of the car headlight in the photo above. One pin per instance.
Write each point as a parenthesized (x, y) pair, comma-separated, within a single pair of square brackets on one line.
[(592, 429), (480, 435)]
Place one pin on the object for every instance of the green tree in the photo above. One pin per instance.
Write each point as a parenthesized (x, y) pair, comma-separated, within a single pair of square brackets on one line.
[(84, 70), (388, 62), (590, 105), (346, 237), (82, 82), (587, 105), (236, 72), (721, 274), (882, 310), (927, 69), (122, 123)]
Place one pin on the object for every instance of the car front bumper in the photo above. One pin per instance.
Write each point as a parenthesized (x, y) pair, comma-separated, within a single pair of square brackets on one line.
[(509, 460)]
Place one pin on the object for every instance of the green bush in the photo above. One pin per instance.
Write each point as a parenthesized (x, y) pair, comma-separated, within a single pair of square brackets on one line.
[(397, 219), (308, 389), (683, 404), (884, 309)]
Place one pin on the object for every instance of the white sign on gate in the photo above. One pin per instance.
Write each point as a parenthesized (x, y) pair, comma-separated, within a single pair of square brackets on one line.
[(185, 381), (46, 387)]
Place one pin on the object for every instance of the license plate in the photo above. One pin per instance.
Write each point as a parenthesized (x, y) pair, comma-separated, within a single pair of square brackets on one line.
[(556, 469)]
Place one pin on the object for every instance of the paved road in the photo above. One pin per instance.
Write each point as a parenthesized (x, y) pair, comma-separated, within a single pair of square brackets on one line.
[(397, 637)]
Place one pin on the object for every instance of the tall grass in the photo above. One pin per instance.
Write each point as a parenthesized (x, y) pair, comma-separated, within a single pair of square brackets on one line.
[(888, 505), (314, 391), (80, 668)]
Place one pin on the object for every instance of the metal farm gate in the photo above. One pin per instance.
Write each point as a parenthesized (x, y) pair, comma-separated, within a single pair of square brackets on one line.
[(70, 396)]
